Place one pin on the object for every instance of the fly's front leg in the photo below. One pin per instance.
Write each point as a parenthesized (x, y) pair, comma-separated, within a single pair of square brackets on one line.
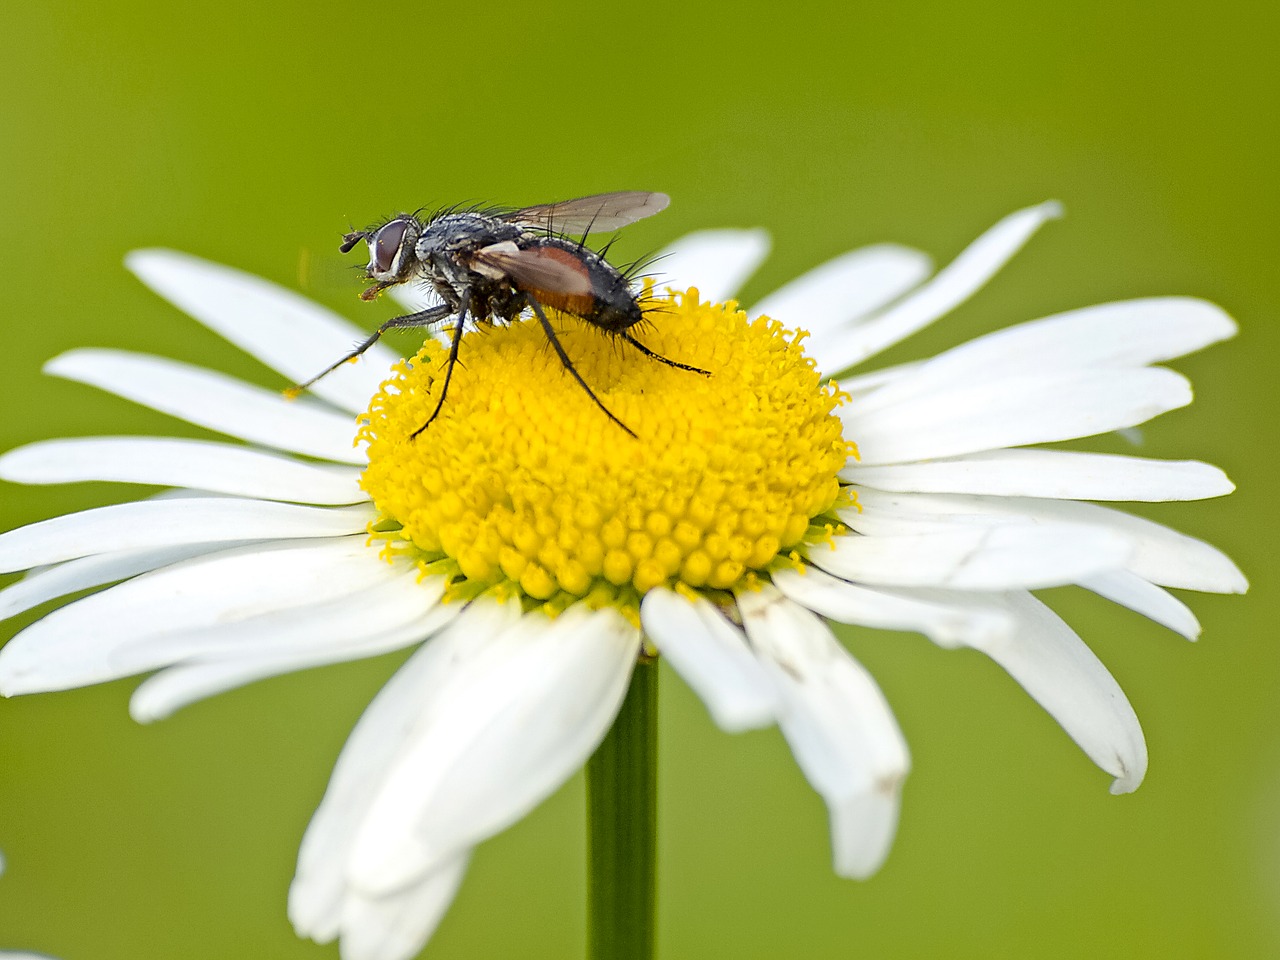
[(422, 319), (449, 364)]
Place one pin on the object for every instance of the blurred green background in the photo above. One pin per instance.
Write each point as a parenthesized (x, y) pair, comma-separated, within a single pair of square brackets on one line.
[(254, 134)]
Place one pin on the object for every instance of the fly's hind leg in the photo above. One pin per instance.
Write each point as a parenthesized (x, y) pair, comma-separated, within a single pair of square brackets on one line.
[(659, 357), (568, 364)]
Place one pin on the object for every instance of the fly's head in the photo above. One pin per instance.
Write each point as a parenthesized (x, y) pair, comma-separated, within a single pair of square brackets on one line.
[(391, 252)]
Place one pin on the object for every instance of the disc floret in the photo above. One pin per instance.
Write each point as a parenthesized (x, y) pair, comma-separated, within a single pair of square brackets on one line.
[(522, 481)]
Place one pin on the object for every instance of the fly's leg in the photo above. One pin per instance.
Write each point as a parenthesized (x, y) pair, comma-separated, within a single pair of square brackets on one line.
[(659, 357), (568, 364), (423, 319), (453, 359)]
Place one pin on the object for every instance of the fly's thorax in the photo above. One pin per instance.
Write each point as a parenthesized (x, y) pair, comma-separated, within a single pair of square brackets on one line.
[(458, 233), (445, 247)]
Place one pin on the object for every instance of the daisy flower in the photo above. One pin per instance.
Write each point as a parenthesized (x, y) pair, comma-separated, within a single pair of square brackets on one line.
[(533, 552)]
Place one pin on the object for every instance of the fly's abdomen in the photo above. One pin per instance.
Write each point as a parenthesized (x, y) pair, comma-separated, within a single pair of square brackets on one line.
[(581, 300), (615, 307)]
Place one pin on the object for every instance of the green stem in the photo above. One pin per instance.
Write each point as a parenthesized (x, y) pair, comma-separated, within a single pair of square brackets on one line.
[(622, 790)]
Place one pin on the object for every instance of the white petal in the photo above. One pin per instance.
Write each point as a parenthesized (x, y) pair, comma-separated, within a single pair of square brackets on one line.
[(77, 644), (960, 619), (170, 690), (865, 383), (158, 523), (215, 401), (845, 289), (333, 615), (952, 285), (218, 467), (398, 925), (508, 729), (287, 332), (1162, 555), (75, 575), (840, 728), (1142, 596), (404, 704), (976, 557), (717, 262), (1053, 665), (1056, 474), (1159, 554), (713, 658), (879, 513), (1012, 411), (1123, 335)]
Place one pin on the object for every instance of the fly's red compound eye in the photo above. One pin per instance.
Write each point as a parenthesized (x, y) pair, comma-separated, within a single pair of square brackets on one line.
[(386, 244)]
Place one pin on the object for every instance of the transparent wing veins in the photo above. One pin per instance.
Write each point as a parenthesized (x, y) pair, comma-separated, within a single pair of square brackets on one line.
[(600, 212)]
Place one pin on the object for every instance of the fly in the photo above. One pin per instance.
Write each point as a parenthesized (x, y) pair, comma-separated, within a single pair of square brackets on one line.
[(491, 265)]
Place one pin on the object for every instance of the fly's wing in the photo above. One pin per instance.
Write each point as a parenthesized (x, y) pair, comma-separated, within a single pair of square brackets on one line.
[(548, 269), (601, 212)]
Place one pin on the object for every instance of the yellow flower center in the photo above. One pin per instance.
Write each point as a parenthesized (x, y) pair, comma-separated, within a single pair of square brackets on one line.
[(523, 480)]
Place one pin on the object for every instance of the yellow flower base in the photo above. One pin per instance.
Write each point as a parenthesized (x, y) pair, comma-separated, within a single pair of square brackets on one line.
[(522, 479)]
